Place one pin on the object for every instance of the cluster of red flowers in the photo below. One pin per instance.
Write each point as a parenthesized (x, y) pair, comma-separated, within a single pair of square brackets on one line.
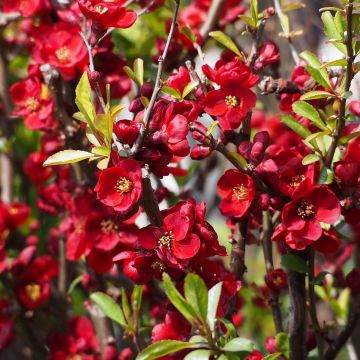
[(97, 215)]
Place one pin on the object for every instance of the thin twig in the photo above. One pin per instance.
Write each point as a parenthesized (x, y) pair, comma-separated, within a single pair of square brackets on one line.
[(157, 86), (281, 16), (348, 78), (212, 18)]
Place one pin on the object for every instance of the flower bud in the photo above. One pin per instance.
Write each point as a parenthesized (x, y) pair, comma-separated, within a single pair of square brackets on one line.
[(136, 106), (146, 90), (276, 279)]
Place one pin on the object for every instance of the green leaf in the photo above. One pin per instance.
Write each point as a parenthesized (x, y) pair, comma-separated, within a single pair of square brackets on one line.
[(273, 356), (254, 10), (79, 116), (239, 344), (196, 293), (131, 75), (109, 307), (317, 94), (339, 62), (67, 157), (84, 100), (345, 139), (239, 158), (74, 283), (231, 331), (326, 176), (284, 20), (282, 341), (162, 348), (306, 110), (213, 302), (295, 263), (295, 126), (331, 30), (136, 297), (212, 127), (104, 126), (178, 300), (139, 70), (171, 91), (310, 159), (292, 7), (225, 40), (248, 20), (188, 89), (101, 151), (200, 354), (125, 305), (187, 31), (317, 76)]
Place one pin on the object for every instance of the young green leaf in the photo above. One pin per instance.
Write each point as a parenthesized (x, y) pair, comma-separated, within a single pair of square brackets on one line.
[(254, 10), (295, 263), (331, 30), (162, 348), (295, 126), (339, 62), (188, 89), (136, 297), (139, 70), (213, 302), (131, 75), (282, 341), (178, 300), (67, 157), (317, 94), (248, 20), (310, 159), (226, 41), (273, 356), (171, 91), (196, 293), (326, 176), (109, 307), (306, 110), (125, 305), (201, 354), (239, 344)]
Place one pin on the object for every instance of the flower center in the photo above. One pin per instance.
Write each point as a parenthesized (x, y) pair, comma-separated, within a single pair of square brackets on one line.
[(240, 192), (158, 266), (101, 9), (296, 180), (63, 55), (306, 209), (32, 104), (124, 185), (166, 239), (33, 291), (108, 227), (232, 101), (79, 226)]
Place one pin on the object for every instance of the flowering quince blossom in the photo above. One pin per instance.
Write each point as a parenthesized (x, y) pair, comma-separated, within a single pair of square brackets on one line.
[(120, 186), (302, 216), (60, 46), (107, 13), (34, 104), (237, 191)]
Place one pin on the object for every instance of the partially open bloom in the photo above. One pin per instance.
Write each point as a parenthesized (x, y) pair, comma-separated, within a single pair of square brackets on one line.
[(120, 187), (237, 191), (105, 13)]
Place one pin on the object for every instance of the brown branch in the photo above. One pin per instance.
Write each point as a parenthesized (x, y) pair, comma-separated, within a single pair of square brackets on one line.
[(157, 86), (237, 261), (344, 335), (297, 311), (212, 18), (348, 78), (6, 163), (312, 307), (267, 250), (269, 85)]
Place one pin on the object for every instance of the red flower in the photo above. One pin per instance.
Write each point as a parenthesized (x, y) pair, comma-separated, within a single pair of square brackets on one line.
[(120, 187), (174, 239), (108, 13), (25, 7), (34, 169), (309, 207), (33, 103), (237, 191), (230, 105), (268, 54), (60, 45), (276, 279)]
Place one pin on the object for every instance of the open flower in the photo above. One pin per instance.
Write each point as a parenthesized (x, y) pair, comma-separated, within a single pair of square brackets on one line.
[(229, 104), (309, 207), (120, 187), (237, 191), (108, 13)]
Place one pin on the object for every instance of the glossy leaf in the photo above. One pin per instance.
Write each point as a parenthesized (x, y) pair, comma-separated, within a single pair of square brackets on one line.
[(109, 307), (307, 111), (295, 263), (295, 126), (317, 94), (213, 303), (310, 159), (139, 70), (67, 157), (196, 294), (226, 41), (201, 354), (136, 297), (239, 344), (162, 348), (282, 341)]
